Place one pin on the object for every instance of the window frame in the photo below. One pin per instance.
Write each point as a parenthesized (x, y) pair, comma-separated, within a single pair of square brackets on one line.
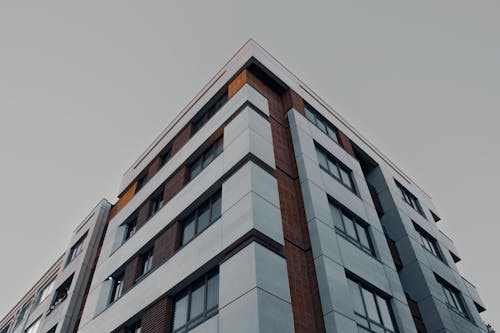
[(146, 262), (206, 313), (208, 111), (458, 306), (357, 222), (214, 198), (216, 147), (330, 159), (429, 243), (76, 249), (130, 227), (156, 202), (116, 291), (39, 297), (315, 117), (410, 199)]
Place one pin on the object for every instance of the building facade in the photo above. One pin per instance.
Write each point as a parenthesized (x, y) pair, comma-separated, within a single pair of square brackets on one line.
[(260, 209)]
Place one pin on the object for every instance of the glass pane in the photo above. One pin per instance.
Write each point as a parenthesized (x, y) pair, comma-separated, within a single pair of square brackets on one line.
[(349, 227), (332, 133), (346, 178), (197, 300), (337, 217), (356, 297), (218, 147), (203, 216), (333, 169), (195, 168), (322, 159), (180, 312), (216, 206), (208, 156), (363, 236), (310, 115), (213, 291), (188, 229), (321, 124), (371, 308), (384, 312)]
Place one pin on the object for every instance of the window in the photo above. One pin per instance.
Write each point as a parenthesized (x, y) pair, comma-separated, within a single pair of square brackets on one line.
[(208, 111), (134, 328), (351, 228), (61, 293), (156, 203), (147, 262), (410, 199), (372, 311), (44, 292), (203, 216), (131, 226), (202, 161), (324, 125), (22, 314), (335, 168), (141, 180), (165, 156), (116, 288), (33, 327), (453, 298), (427, 241), (76, 250), (196, 303)]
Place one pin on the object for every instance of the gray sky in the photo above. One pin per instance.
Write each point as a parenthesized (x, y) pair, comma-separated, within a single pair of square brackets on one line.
[(86, 86)]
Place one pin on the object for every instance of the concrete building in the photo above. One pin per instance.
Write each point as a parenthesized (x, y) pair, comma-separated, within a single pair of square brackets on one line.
[(260, 209), (55, 302)]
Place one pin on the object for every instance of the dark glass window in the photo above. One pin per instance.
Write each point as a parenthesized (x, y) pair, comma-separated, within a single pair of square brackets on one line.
[(196, 303), (324, 125), (203, 216), (208, 111), (134, 328), (44, 292), (165, 156), (61, 293), (351, 228), (76, 249), (428, 242), (131, 226), (116, 288), (147, 262), (372, 311), (156, 203), (202, 161), (453, 298), (410, 199), (22, 314), (335, 168), (141, 180)]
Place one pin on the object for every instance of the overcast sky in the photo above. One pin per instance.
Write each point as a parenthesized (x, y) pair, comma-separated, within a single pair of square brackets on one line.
[(85, 87)]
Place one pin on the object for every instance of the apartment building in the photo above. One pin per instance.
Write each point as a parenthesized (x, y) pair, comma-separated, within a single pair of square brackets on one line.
[(55, 302), (260, 209)]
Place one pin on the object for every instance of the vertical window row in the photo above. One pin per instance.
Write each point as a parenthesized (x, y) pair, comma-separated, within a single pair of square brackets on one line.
[(335, 168), (207, 213), (324, 125), (202, 161), (372, 311), (351, 228), (196, 303)]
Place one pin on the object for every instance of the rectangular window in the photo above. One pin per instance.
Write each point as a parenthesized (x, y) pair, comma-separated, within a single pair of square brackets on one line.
[(453, 298), (372, 311), (76, 249), (202, 161), (324, 125), (22, 314), (196, 303), (61, 293), (131, 227), (428, 242), (44, 292), (156, 203), (335, 168), (410, 199), (209, 111), (116, 288), (165, 156), (351, 227), (33, 327), (147, 262), (203, 216)]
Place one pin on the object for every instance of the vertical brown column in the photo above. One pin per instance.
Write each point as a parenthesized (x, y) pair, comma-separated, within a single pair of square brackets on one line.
[(306, 303), (143, 214), (157, 318), (131, 272), (166, 243), (345, 142)]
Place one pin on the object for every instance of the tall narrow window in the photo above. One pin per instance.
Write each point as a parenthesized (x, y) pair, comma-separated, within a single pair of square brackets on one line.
[(22, 314), (147, 262), (372, 311), (61, 293), (196, 303), (335, 168), (204, 159), (156, 203), (410, 199), (131, 227), (116, 288), (203, 216), (453, 298), (76, 249), (351, 228)]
